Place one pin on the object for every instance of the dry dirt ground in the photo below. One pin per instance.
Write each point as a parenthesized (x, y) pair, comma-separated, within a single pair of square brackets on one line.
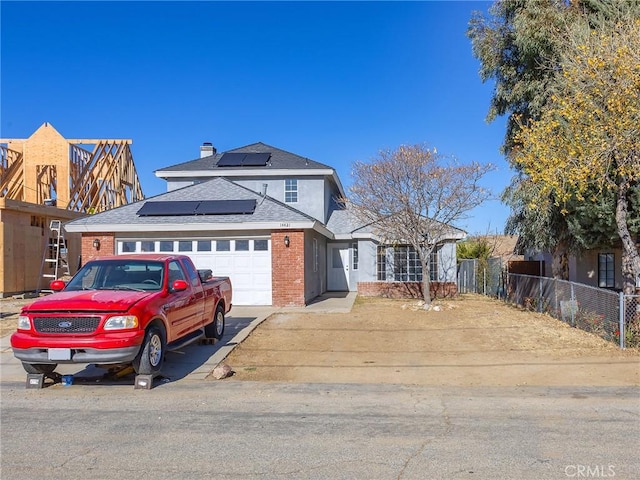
[(9, 310), (471, 340)]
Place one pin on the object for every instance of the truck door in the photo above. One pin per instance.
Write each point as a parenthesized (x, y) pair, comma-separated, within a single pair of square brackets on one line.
[(183, 308), (200, 317)]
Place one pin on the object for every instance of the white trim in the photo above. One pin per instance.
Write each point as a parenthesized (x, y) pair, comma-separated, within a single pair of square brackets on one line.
[(263, 172), (199, 227)]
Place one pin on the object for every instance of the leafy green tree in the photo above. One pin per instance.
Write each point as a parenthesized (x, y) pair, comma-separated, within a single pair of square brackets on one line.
[(476, 248), (513, 44)]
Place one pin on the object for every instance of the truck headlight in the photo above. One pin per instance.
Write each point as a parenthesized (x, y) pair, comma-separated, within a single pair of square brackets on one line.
[(121, 322), (24, 322)]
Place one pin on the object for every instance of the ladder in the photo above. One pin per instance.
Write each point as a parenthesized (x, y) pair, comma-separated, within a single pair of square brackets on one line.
[(55, 261)]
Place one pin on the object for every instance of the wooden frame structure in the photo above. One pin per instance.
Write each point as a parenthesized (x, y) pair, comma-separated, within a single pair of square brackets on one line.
[(46, 177), (47, 169)]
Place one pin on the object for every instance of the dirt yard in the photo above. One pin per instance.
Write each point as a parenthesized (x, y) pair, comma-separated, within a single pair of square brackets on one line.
[(9, 310), (471, 340)]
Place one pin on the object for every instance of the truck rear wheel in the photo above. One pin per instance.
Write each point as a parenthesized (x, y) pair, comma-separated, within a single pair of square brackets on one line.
[(151, 356), (216, 328), (39, 367)]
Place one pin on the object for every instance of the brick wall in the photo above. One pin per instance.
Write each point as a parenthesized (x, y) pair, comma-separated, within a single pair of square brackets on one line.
[(405, 289), (107, 246), (287, 268)]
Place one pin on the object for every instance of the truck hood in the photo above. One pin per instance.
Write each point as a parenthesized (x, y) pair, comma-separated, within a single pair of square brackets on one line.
[(92, 300)]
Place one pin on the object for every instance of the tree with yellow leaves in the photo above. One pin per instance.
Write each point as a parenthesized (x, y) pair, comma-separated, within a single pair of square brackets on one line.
[(586, 143)]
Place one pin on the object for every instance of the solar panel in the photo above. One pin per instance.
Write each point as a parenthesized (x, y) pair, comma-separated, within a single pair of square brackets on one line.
[(256, 159), (236, 159), (206, 207), (168, 208), (226, 207), (231, 160)]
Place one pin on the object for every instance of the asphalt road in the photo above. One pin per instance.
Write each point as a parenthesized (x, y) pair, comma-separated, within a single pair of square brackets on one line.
[(197, 429)]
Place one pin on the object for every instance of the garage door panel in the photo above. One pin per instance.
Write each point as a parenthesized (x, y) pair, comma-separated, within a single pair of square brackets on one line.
[(262, 262), (223, 261), (261, 280), (243, 263)]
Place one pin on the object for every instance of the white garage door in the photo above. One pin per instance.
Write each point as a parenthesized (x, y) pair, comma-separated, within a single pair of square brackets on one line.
[(246, 261)]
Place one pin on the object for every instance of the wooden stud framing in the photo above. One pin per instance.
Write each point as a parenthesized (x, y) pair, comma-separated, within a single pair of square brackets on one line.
[(47, 166)]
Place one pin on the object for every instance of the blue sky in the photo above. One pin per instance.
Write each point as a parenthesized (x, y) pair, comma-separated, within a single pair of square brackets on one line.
[(332, 81)]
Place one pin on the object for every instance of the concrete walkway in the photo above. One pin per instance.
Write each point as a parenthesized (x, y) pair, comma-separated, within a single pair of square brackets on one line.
[(194, 362)]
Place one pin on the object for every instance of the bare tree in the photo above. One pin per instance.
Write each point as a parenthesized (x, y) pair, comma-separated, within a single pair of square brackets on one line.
[(413, 196)]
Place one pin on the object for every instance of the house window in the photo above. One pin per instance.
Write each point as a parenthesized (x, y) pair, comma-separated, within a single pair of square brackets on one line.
[(185, 246), (242, 245), (401, 263), (147, 246), (606, 272), (290, 191), (381, 256), (354, 261), (166, 246), (128, 247), (204, 245), (433, 265), (223, 246), (261, 245)]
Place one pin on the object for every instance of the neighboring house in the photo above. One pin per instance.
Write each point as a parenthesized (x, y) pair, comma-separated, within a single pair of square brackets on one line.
[(272, 221), (599, 267)]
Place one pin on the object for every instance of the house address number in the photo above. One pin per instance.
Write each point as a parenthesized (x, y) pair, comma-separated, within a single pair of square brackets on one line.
[(284, 224)]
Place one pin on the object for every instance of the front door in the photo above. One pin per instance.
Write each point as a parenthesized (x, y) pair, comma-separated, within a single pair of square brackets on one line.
[(338, 268)]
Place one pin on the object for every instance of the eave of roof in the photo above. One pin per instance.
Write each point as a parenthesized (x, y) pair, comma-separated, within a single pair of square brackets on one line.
[(197, 227), (242, 172)]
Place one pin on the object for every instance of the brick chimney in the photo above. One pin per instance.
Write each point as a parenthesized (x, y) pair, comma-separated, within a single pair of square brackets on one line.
[(207, 149)]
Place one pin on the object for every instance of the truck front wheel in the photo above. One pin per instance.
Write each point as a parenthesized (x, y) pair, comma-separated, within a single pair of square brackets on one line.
[(39, 367), (216, 328), (151, 356)]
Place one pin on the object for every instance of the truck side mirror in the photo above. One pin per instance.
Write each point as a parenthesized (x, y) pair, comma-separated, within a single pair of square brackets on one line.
[(57, 285), (179, 286)]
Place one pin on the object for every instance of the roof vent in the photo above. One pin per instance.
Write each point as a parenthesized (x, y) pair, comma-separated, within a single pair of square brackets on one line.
[(207, 149)]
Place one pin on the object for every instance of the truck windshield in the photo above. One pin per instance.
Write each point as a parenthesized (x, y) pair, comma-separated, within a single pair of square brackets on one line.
[(142, 275)]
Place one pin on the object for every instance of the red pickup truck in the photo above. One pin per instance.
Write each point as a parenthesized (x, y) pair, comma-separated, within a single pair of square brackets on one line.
[(122, 309)]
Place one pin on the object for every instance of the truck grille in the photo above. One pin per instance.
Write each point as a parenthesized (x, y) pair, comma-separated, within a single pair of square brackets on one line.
[(66, 324)]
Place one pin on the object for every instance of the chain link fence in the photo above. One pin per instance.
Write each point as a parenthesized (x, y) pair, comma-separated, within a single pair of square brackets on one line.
[(485, 278), (610, 315), (631, 311)]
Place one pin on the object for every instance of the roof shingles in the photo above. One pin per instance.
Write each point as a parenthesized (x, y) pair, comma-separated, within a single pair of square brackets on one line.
[(280, 159), (267, 209)]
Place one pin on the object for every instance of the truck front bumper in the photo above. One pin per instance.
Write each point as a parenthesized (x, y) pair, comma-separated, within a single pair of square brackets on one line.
[(86, 355), (101, 349)]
